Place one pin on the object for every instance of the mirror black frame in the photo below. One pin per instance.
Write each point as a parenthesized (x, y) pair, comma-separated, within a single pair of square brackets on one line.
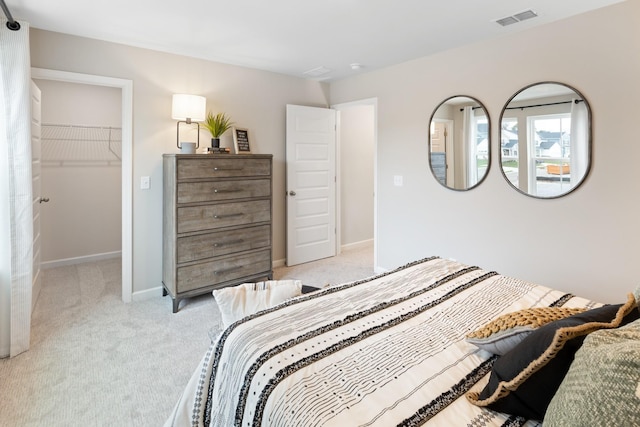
[(589, 138), (486, 112)]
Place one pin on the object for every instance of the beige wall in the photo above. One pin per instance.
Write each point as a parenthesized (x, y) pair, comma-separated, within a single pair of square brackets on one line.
[(586, 242), (492, 226), (254, 99), (356, 173), (83, 216)]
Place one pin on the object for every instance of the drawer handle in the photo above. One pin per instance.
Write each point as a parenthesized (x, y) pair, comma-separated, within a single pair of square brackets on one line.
[(226, 169), (227, 270), (230, 242), (225, 191), (228, 215)]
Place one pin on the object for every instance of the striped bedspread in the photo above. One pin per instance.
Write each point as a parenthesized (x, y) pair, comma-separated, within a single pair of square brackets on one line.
[(384, 351)]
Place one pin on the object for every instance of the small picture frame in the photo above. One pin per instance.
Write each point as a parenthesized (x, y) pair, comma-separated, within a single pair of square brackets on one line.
[(241, 141)]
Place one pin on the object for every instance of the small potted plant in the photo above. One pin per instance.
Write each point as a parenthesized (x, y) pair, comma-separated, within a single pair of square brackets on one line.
[(216, 125)]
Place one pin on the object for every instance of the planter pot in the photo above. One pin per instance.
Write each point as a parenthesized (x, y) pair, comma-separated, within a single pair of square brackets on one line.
[(215, 142)]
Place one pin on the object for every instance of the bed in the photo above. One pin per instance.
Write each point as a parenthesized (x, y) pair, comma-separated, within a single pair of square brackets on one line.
[(392, 349)]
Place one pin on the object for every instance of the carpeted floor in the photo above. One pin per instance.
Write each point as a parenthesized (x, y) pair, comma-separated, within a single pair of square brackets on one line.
[(95, 361)]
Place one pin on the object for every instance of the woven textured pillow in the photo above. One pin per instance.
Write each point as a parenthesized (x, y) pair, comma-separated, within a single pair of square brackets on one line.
[(602, 386), (523, 381), (505, 332), (236, 302)]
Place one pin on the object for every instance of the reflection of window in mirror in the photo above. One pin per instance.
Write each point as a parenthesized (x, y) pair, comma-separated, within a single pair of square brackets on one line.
[(550, 150), (481, 125), (545, 140), (509, 146), (544, 170)]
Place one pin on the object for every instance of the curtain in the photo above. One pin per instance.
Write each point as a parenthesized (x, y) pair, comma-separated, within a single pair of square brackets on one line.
[(15, 144), (470, 147), (579, 160)]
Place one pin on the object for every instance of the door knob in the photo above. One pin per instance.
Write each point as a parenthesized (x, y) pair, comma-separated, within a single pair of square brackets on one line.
[(43, 200), (292, 193)]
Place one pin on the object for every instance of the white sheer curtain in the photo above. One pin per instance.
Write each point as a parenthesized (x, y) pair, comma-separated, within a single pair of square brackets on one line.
[(579, 141), (470, 147), (16, 276)]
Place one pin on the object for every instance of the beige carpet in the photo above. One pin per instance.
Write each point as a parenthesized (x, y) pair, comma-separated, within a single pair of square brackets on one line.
[(95, 361)]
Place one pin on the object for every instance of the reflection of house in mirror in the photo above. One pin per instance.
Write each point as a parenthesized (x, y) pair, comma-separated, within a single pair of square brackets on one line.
[(553, 144), (509, 143), (549, 148)]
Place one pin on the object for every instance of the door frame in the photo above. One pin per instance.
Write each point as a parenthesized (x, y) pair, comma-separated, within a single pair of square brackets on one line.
[(450, 166), (339, 107), (36, 279), (126, 87)]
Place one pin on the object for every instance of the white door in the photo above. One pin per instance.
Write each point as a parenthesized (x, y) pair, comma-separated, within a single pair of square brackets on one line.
[(439, 137), (311, 183), (36, 104)]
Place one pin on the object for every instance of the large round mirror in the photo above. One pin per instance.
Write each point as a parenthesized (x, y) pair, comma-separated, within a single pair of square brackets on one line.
[(545, 140), (459, 142)]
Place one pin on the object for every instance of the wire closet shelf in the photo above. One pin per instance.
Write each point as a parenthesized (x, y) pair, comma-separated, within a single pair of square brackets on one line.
[(69, 145)]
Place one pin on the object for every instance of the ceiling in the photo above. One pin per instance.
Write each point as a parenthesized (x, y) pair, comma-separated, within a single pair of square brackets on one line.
[(309, 39)]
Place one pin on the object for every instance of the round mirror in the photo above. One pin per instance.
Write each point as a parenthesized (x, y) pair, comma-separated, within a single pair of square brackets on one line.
[(545, 140), (459, 143)]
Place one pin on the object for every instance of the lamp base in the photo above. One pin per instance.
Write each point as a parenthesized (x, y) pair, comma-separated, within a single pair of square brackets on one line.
[(188, 148)]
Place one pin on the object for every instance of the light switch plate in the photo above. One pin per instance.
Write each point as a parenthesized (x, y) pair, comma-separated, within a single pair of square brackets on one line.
[(144, 183)]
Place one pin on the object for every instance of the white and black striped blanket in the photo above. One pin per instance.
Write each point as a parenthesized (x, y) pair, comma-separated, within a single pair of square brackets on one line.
[(385, 351)]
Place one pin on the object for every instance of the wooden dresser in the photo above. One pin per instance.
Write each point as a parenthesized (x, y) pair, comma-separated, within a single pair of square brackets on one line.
[(216, 222)]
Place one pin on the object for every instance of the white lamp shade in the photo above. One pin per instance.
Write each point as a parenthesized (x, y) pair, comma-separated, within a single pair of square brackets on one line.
[(188, 107)]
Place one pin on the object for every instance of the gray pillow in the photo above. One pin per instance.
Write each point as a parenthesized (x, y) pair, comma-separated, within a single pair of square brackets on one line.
[(602, 386)]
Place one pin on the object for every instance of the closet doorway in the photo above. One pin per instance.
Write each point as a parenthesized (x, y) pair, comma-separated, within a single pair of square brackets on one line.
[(356, 175), (87, 169)]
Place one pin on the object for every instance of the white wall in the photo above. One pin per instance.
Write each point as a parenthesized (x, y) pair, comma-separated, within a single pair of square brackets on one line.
[(83, 217), (253, 99), (356, 173), (493, 225)]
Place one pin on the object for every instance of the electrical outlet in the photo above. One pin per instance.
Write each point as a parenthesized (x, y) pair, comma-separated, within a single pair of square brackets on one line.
[(144, 183), (397, 180)]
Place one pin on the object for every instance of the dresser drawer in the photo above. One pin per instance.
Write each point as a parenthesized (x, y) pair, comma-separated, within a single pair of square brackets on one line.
[(209, 245), (193, 192), (193, 168), (209, 217), (223, 270)]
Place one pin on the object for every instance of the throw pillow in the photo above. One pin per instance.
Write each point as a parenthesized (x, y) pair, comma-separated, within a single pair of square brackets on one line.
[(505, 332), (236, 302), (602, 385), (523, 381)]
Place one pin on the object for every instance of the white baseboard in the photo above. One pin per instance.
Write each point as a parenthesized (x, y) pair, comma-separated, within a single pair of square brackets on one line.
[(348, 247), (357, 245), (79, 260), (147, 294)]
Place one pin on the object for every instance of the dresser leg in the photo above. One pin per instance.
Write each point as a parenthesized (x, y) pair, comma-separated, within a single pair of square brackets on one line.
[(164, 292), (176, 303)]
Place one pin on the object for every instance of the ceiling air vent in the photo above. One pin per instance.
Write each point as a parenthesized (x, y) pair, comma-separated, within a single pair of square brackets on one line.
[(522, 16), (527, 14)]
